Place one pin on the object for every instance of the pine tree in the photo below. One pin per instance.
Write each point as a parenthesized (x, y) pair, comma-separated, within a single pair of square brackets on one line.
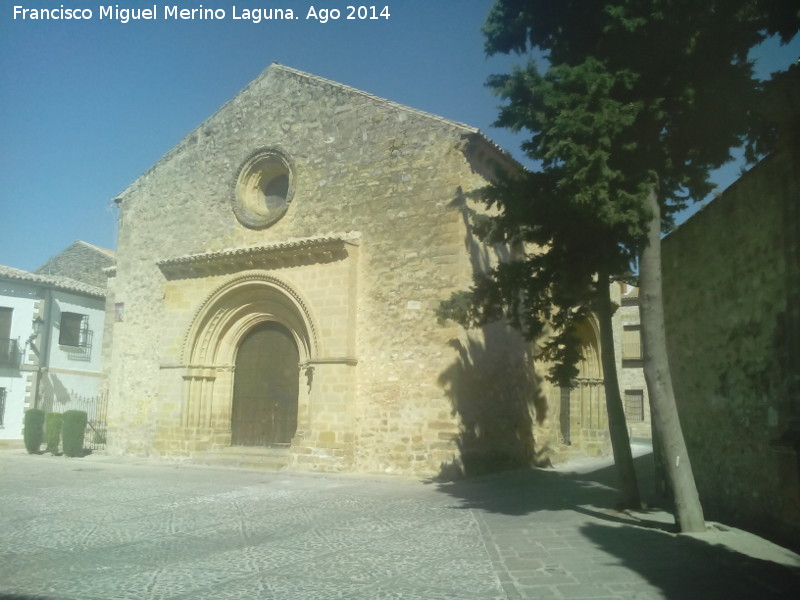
[(629, 106)]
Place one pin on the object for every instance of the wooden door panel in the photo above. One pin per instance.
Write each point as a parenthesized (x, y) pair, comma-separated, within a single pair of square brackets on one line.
[(265, 388)]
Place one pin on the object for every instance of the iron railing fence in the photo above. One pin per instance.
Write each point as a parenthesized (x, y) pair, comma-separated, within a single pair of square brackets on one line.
[(96, 408)]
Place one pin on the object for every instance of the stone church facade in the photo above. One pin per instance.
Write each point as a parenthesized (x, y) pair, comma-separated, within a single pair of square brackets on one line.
[(277, 277)]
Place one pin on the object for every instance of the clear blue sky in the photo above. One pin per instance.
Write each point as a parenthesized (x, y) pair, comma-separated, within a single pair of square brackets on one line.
[(88, 106)]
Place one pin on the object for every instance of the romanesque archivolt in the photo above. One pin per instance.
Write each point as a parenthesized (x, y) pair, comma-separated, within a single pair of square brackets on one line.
[(264, 188)]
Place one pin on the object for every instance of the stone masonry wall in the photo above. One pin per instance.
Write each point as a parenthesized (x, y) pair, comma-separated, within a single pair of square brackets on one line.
[(630, 372), (728, 276), (81, 262), (394, 176)]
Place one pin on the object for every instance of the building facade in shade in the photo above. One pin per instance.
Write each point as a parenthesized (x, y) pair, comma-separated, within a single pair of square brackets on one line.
[(731, 278), (277, 278), (628, 353), (51, 335)]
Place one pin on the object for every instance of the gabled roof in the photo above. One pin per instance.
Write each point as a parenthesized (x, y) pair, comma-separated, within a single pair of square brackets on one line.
[(80, 261), (106, 251), (469, 133), (355, 91), (473, 132), (52, 281)]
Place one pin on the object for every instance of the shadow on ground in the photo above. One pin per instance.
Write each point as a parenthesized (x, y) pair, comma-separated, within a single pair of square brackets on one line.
[(525, 491), (681, 567)]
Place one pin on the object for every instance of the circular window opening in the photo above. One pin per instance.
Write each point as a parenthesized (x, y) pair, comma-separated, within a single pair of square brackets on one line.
[(263, 189)]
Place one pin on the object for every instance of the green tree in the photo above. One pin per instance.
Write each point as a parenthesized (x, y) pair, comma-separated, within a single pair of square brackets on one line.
[(563, 278), (631, 106)]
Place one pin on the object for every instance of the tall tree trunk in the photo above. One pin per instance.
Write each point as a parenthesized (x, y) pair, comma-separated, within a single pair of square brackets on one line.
[(664, 412), (617, 426)]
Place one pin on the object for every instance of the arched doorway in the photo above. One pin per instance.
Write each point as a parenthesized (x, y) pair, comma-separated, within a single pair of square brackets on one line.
[(265, 387), (248, 305), (582, 413)]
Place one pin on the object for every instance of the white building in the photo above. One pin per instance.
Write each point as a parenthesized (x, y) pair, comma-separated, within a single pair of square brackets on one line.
[(51, 333)]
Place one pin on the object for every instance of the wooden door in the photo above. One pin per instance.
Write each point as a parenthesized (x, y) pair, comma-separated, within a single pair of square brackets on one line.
[(265, 388)]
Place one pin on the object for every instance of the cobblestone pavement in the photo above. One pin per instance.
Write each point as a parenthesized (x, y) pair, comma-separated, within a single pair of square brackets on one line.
[(108, 528)]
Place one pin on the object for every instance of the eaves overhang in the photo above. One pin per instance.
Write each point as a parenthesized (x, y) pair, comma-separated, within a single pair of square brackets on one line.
[(291, 253), (55, 282)]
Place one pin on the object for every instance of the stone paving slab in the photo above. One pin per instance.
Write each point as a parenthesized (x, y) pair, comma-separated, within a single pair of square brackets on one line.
[(113, 528)]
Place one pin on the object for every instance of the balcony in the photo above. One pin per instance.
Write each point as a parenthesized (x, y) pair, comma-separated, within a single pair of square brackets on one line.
[(10, 355)]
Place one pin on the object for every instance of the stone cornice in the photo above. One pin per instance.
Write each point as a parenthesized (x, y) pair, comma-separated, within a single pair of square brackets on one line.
[(291, 253)]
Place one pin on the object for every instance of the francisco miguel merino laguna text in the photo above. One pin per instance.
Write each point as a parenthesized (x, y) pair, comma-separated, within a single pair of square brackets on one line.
[(199, 13)]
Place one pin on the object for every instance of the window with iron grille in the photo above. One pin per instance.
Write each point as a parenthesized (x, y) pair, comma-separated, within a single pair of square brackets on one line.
[(74, 330), (5, 321), (2, 406), (9, 349), (634, 405)]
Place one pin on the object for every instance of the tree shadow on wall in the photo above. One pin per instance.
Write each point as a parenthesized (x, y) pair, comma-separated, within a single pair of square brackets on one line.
[(492, 384), (497, 396), (54, 394)]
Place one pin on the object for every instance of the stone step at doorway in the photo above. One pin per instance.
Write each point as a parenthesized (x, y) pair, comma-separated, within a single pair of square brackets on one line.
[(244, 457)]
